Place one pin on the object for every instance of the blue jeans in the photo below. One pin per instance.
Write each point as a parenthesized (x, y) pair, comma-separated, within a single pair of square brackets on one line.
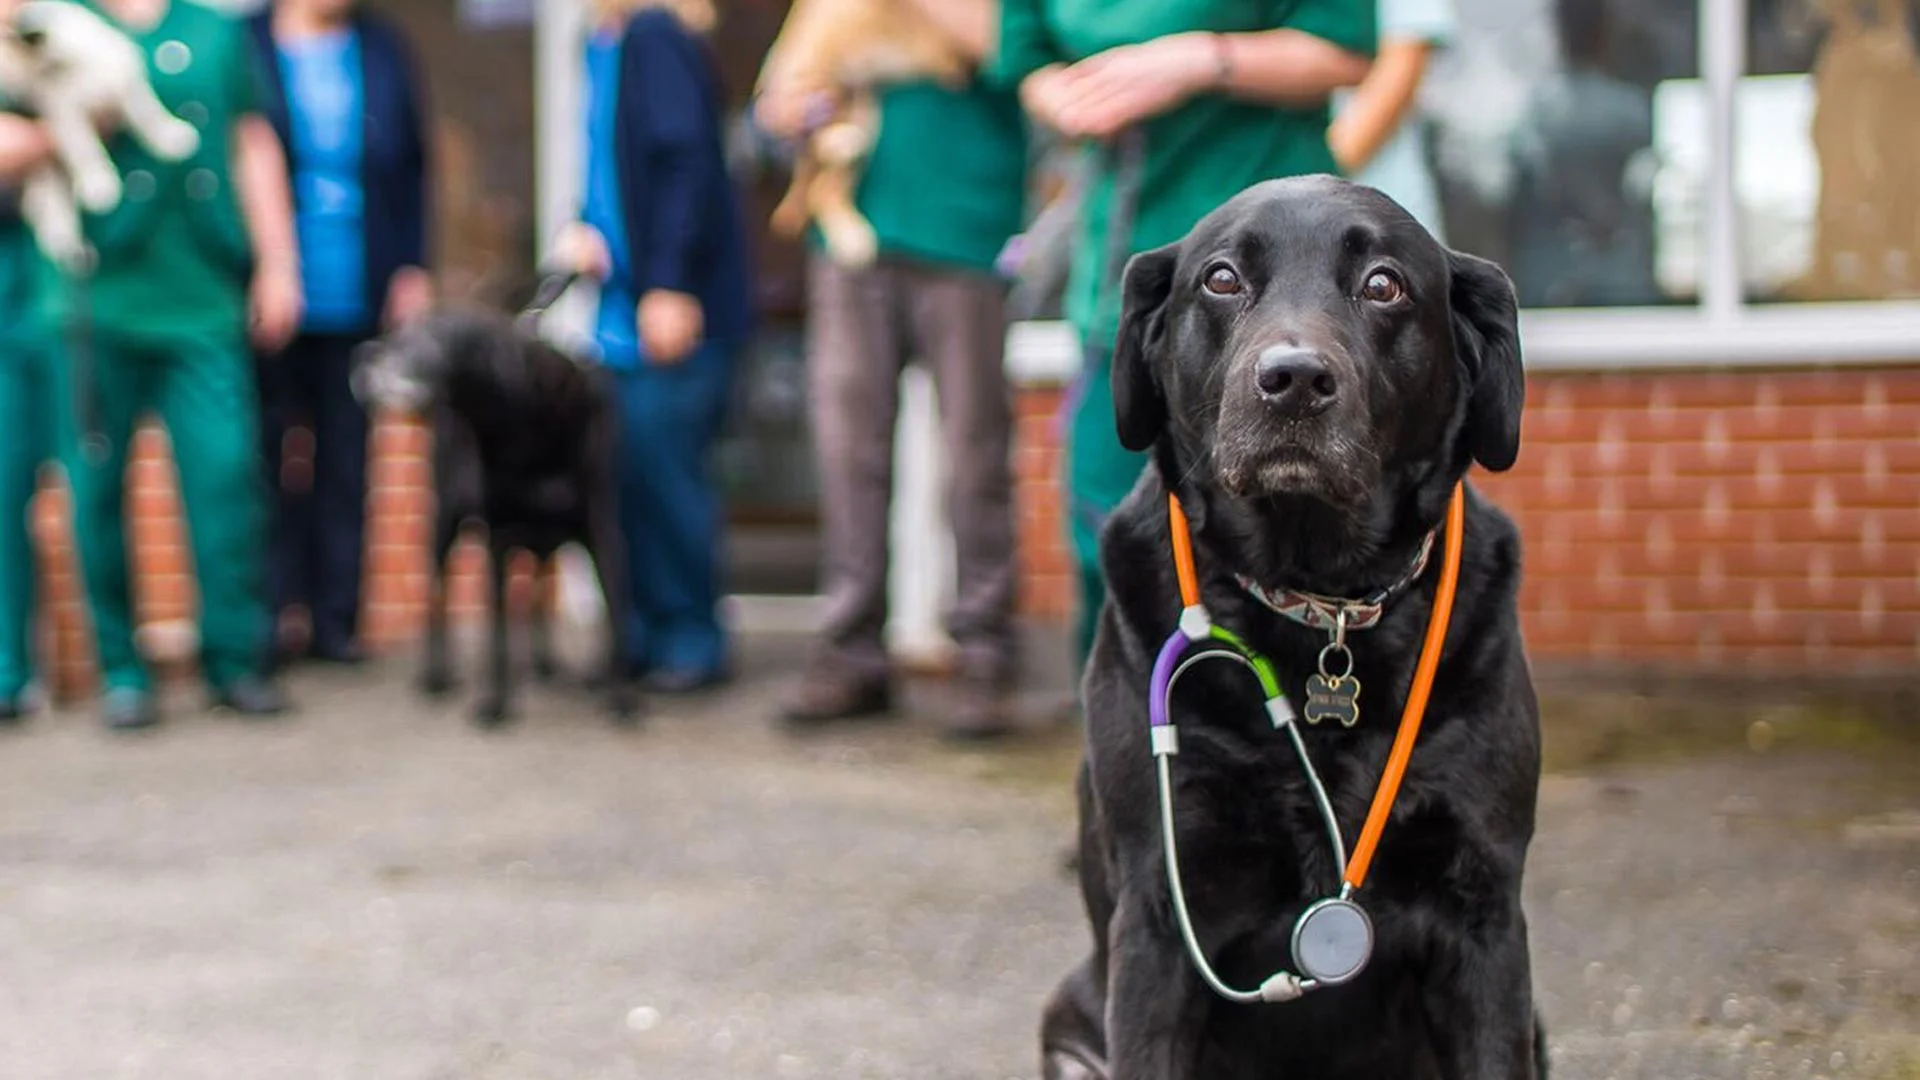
[(670, 509)]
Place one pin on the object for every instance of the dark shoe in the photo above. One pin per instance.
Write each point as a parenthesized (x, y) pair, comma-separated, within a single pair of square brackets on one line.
[(674, 683), (12, 710), (978, 710), (343, 653), (825, 695), (251, 696), (129, 710)]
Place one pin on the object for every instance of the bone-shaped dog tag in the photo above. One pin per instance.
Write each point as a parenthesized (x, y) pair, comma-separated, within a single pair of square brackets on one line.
[(1333, 699)]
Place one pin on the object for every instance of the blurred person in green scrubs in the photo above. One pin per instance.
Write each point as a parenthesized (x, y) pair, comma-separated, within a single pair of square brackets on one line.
[(1182, 105), (198, 257), (27, 404)]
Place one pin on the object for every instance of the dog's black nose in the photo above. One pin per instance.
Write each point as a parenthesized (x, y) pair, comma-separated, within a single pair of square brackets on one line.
[(1294, 379)]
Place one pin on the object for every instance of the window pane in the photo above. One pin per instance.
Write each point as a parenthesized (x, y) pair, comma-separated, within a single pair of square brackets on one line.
[(1569, 147), (1829, 151)]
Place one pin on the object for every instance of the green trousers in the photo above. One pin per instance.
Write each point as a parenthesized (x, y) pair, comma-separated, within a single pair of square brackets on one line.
[(1100, 472), (203, 391), (26, 442)]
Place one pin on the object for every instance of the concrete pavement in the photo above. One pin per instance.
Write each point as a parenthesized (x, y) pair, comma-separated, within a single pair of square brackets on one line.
[(1723, 886)]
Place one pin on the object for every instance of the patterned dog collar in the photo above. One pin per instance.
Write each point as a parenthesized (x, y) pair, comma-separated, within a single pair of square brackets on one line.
[(1324, 612)]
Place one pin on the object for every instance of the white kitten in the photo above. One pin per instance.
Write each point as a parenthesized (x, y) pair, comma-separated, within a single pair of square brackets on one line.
[(81, 75)]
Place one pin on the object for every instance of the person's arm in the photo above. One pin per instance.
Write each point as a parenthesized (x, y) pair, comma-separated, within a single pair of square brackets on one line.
[(972, 24), (1321, 46), (24, 147), (1102, 94), (1282, 67), (411, 291), (1381, 103), (266, 203), (259, 168), (661, 101)]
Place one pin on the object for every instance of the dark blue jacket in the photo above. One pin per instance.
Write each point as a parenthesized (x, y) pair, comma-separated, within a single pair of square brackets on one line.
[(393, 170), (681, 209)]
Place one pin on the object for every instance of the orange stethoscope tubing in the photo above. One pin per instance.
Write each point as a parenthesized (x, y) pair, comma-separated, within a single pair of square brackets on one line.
[(1422, 689), (1418, 695)]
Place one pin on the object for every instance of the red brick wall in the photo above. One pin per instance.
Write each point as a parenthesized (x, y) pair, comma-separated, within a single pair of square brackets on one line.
[(1752, 520), (399, 528), (1759, 520)]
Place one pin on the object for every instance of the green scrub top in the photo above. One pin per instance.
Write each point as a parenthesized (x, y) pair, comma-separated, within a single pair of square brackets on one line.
[(1197, 155), (20, 271), (946, 181), (174, 255)]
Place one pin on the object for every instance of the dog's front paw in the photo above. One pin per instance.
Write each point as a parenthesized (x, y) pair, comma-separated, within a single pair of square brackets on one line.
[(1066, 1065), (491, 712), (853, 244), (842, 145), (175, 141), (98, 190)]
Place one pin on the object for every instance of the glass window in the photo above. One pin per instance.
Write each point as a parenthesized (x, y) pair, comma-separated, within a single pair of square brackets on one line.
[(1828, 151), (1563, 151)]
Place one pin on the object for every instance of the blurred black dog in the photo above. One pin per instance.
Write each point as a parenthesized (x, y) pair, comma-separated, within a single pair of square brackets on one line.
[(525, 441), (1313, 374)]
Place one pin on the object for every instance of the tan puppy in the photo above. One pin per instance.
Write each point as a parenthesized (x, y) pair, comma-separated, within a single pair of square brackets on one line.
[(80, 75), (845, 49)]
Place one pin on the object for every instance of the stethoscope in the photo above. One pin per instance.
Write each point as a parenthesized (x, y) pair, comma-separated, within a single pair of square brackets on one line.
[(1333, 938)]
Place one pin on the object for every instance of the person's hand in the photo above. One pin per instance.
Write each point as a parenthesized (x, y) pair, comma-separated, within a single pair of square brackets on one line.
[(671, 325), (1109, 91), (409, 296), (1041, 94), (788, 112), (274, 303), (581, 249)]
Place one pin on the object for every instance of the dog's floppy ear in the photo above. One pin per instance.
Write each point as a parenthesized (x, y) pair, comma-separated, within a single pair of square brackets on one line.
[(1486, 338), (1139, 404)]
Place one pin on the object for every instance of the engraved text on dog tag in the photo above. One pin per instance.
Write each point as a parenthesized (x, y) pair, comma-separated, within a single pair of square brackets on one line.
[(1333, 699)]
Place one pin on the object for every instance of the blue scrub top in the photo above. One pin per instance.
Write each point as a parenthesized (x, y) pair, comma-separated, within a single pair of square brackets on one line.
[(326, 103)]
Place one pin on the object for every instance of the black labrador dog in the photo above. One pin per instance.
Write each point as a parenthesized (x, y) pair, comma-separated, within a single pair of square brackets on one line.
[(525, 441), (1313, 374)]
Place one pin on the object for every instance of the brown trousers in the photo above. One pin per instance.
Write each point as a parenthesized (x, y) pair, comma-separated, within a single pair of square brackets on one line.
[(864, 327)]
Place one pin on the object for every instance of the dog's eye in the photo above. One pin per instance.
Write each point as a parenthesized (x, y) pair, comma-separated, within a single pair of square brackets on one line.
[(1222, 281), (1382, 287)]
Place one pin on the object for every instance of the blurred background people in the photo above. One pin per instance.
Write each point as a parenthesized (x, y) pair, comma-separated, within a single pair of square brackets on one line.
[(344, 99), (27, 410), (1378, 135), (199, 255), (1184, 105), (660, 229), (944, 187)]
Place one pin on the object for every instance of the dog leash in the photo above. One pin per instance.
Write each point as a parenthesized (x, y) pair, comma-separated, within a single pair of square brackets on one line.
[(1333, 938), (552, 286)]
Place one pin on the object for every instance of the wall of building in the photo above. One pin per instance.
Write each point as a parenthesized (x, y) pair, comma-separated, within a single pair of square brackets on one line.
[(1757, 520)]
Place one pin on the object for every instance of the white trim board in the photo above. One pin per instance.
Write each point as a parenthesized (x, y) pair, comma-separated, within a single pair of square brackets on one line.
[(1785, 335)]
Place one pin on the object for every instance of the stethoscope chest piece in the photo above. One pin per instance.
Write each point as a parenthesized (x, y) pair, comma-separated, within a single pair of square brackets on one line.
[(1332, 941)]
